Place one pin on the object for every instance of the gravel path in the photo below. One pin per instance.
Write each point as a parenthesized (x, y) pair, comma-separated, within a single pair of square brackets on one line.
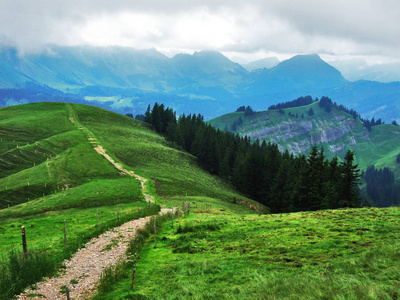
[(84, 269)]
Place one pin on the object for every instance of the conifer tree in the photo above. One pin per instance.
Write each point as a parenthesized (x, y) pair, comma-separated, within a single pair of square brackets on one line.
[(350, 191), (147, 116)]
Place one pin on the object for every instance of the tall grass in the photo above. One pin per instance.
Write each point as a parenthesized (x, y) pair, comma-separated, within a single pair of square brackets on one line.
[(112, 275)]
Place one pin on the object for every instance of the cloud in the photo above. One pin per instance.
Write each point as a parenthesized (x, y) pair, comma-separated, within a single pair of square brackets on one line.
[(357, 27)]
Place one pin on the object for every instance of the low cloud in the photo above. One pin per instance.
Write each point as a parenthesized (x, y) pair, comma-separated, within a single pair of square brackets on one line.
[(339, 27)]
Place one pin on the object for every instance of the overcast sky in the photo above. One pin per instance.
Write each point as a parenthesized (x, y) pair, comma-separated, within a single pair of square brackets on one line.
[(248, 29)]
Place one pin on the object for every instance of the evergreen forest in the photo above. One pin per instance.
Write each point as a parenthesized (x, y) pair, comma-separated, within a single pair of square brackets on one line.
[(281, 181), (381, 187)]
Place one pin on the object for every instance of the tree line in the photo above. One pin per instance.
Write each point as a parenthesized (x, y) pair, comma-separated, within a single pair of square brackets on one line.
[(382, 189), (281, 181), (328, 104)]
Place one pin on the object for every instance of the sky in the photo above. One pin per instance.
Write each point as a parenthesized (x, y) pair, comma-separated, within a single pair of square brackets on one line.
[(242, 30)]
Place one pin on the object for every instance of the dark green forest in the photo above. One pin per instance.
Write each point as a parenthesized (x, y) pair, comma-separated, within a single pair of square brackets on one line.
[(278, 180), (382, 188)]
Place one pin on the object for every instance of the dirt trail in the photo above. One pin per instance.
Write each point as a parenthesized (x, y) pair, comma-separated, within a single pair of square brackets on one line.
[(84, 269), (100, 150)]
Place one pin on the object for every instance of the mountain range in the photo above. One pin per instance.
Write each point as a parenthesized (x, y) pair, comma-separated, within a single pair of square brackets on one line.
[(206, 82)]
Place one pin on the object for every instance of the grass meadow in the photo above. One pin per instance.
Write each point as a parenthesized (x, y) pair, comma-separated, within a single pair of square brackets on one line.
[(217, 254)]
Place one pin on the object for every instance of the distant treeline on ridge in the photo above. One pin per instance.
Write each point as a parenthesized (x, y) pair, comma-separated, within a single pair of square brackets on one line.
[(278, 180), (327, 104)]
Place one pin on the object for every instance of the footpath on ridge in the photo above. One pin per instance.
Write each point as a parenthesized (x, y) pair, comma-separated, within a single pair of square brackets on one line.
[(87, 264)]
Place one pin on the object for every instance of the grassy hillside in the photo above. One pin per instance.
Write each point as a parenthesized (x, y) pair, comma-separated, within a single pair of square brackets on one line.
[(337, 131), (49, 166)]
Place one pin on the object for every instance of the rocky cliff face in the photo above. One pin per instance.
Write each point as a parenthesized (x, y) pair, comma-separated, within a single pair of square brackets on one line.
[(298, 135)]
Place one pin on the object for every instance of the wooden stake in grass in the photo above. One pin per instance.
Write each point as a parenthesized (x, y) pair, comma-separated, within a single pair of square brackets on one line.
[(67, 293), (97, 219), (155, 232), (172, 226), (134, 262), (65, 233), (24, 246)]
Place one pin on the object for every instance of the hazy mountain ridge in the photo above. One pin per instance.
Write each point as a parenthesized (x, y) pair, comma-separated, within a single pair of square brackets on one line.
[(206, 82)]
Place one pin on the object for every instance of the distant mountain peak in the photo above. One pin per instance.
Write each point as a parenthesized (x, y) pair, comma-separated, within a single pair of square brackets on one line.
[(310, 68)]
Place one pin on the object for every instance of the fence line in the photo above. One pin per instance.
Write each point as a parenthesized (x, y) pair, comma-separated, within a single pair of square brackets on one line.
[(70, 228)]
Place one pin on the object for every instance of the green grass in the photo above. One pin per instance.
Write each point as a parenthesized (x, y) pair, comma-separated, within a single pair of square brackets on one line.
[(334, 254)]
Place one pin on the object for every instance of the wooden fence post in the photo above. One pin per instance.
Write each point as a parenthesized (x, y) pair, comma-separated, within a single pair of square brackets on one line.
[(65, 233), (172, 218), (134, 262), (67, 293), (155, 232), (24, 246)]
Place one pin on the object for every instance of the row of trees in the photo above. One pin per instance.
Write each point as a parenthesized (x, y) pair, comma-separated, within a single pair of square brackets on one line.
[(279, 180), (382, 188), (301, 101)]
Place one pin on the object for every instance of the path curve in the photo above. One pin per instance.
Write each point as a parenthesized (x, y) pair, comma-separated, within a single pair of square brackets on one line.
[(84, 269), (102, 151)]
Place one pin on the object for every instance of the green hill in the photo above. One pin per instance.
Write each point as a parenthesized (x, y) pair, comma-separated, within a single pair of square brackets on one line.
[(49, 164), (297, 131)]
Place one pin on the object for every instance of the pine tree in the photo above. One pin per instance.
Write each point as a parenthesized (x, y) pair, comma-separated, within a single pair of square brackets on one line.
[(147, 116), (350, 191)]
